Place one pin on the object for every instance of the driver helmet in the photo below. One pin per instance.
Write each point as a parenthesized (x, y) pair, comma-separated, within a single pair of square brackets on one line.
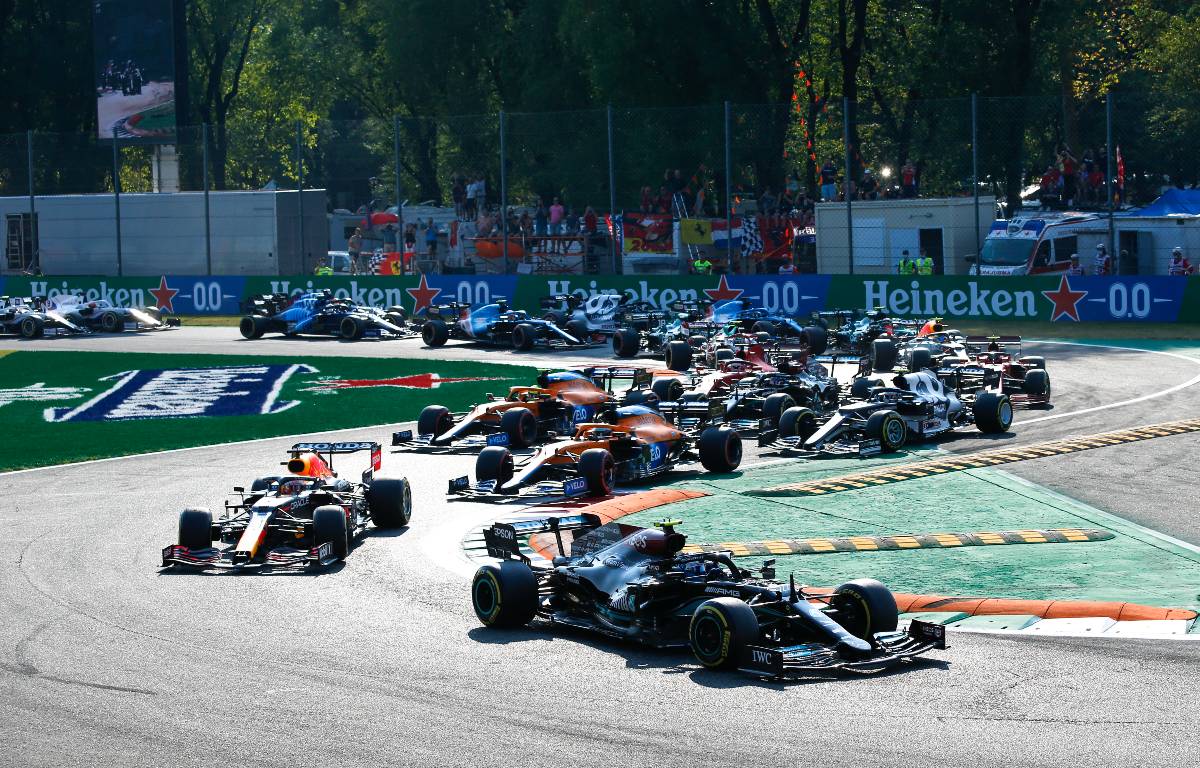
[(292, 487)]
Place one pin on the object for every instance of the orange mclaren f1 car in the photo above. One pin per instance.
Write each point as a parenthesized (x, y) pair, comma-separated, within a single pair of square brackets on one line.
[(528, 415), (308, 517), (640, 443)]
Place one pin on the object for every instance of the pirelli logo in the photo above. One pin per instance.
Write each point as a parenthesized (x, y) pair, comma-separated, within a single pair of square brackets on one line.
[(898, 542), (979, 460)]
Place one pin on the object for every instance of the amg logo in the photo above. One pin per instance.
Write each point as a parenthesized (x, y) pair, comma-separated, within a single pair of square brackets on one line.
[(760, 657), (504, 533), (727, 591)]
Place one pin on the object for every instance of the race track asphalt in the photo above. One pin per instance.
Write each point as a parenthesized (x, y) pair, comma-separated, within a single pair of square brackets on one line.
[(106, 661)]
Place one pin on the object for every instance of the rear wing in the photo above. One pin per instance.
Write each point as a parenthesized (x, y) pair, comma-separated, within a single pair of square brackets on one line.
[(503, 539), (604, 376), (328, 450), (572, 300), (982, 343), (271, 303)]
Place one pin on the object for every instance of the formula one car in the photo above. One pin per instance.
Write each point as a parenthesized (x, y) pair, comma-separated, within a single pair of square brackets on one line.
[(528, 415), (582, 317), (672, 335), (636, 584), (851, 332), (996, 364), (639, 444), (29, 318), (101, 315), (496, 324), (308, 517), (918, 406), (321, 313)]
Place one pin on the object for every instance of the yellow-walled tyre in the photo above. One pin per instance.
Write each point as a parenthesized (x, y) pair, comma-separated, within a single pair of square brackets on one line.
[(504, 596), (720, 630)]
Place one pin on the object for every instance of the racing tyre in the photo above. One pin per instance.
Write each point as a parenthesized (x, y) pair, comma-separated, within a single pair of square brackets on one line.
[(351, 328), (397, 314), (261, 484), (883, 355), (524, 336), (329, 526), (396, 319), (776, 405), (678, 356), (434, 420), (668, 390), (111, 322), (860, 389), (554, 316), (720, 630), (253, 326), (434, 333), (505, 596), (720, 449), (579, 329), (32, 327), (389, 500), (494, 463), (644, 397), (1037, 382), (865, 607), (195, 529), (763, 326), (797, 422), (762, 338), (889, 429), (723, 354), (599, 471), (920, 359), (993, 412), (626, 343), (816, 339), (521, 427), (696, 341), (1035, 361)]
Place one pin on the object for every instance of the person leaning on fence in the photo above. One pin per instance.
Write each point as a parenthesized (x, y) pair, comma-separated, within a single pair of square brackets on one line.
[(924, 264), (1076, 269), (702, 266), (906, 266), (354, 247)]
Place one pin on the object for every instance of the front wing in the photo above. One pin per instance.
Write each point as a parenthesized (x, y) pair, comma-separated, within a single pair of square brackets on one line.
[(280, 557), (892, 648)]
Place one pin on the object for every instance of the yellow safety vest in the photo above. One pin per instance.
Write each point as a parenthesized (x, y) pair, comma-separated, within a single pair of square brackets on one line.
[(702, 267), (925, 266), (322, 271), (908, 267)]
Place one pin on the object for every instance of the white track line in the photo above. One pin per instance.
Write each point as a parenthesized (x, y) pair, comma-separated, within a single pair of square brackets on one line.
[(1190, 382)]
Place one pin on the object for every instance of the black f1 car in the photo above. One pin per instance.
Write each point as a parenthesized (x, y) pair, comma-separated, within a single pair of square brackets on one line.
[(918, 406), (639, 443), (308, 517), (29, 318), (635, 584), (321, 313)]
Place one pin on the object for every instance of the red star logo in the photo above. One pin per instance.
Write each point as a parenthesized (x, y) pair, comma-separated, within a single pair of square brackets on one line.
[(723, 291), (163, 295), (416, 381), (1066, 301), (423, 295)]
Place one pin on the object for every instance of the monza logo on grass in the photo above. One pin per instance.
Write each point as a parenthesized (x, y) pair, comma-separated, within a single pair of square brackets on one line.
[(240, 390), (415, 381)]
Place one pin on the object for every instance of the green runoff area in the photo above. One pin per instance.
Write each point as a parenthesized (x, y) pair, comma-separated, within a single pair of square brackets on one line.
[(1135, 565), (318, 394)]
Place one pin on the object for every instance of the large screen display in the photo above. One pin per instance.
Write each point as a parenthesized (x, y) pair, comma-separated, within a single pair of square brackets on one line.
[(135, 70)]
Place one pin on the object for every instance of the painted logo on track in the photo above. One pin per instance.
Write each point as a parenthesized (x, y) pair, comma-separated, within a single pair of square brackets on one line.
[(39, 393), (416, 381), (243, 390)]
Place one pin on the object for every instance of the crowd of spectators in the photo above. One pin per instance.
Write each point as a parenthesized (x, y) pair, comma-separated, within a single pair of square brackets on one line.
[(1073, 181)]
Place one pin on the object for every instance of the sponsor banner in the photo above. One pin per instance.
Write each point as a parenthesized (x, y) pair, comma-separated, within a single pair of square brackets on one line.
[(1051, 299), (1055, 298), (178, 295)]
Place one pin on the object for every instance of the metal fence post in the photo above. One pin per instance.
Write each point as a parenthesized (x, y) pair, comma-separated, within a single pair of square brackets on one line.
[(612, 192), (34, 265), (399, 202), (974, 171), (300, 191), (117, 198), (846, 185), (728, 193), (1109, 154), (207, 218), (503, 194)]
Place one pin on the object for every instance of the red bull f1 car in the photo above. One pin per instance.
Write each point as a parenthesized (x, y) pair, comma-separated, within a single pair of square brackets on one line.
[(529, 415), (638, 444), (305, 518), (638, 585)]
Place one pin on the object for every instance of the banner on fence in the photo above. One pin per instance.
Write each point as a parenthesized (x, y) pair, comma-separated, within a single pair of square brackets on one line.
[(1048, 299)]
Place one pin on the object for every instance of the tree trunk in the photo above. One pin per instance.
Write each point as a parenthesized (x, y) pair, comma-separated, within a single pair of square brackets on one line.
[(850, 44), (1020, 67)]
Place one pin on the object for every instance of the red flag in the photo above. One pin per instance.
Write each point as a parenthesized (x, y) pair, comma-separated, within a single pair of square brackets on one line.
[(1120, 169)]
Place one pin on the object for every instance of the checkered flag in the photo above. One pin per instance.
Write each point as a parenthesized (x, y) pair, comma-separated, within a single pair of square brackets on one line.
[(752, 241), (377, 260)]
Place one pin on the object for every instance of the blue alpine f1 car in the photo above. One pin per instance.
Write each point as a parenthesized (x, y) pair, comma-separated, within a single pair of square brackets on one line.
[(323, 314), (498, 324)]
